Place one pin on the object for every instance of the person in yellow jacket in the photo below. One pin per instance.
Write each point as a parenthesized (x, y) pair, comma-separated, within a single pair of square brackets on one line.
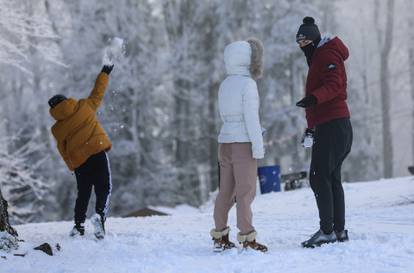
[(83, 145)]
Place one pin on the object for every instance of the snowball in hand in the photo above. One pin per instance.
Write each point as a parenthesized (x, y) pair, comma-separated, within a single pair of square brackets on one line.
[(113, 51), (308, 142)]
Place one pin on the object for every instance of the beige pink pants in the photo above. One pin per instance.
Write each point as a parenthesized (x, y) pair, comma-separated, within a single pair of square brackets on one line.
[(238, 172)]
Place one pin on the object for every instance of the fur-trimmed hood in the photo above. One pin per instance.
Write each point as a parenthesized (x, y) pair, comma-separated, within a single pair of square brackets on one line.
[(256, 59), (244, 58)]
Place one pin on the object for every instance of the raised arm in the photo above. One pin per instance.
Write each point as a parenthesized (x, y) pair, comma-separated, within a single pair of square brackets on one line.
[(98, 91)]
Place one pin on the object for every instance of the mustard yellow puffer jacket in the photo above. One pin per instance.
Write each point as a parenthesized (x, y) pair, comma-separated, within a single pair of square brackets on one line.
[(77, 130)]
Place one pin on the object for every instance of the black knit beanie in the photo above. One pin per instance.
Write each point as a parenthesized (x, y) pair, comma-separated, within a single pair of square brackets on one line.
[(308, 30), (55, 100)]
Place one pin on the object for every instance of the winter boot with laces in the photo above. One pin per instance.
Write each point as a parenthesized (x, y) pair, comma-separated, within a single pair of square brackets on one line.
[(342, 236), (319, 238), (77, 230), (221, 240), (98, 222), (249, 241)]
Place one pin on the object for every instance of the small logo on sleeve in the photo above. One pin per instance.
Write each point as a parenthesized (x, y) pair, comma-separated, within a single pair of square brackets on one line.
[(331, 66)]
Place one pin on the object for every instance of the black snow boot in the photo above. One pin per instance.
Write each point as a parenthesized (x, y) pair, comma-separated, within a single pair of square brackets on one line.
[(221, 240), (342, 236), (319, 238), (78, 229)]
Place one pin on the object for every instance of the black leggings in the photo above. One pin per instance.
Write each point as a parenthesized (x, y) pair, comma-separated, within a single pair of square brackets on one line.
[(333, 141), (94, 172)]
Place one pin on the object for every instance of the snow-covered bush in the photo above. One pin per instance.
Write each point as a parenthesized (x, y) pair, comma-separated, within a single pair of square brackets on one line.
[(24, 189), (7, 241)]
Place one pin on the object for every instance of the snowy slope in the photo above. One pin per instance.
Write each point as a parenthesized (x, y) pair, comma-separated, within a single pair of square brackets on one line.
[(380, 219)]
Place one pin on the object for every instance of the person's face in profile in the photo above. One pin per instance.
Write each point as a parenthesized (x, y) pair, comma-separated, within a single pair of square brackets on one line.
[(303, 43)]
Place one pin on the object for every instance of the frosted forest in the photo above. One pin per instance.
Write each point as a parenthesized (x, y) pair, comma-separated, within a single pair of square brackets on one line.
[(160, 110)]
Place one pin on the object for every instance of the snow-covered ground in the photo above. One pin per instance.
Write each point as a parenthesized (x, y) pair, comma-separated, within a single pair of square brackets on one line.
[(380, 217)]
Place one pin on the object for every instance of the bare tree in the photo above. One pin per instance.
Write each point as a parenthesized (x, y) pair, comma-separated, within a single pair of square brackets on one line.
[(385, 42), (20, 30), (194, 162), (24, 188), (411, 59)]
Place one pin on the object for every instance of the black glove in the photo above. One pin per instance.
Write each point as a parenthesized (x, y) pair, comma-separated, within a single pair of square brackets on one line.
[(107, 69), (307, 101), (309, 132)]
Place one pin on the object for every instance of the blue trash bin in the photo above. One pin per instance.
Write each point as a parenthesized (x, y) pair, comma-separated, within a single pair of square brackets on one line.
[(269, 178)]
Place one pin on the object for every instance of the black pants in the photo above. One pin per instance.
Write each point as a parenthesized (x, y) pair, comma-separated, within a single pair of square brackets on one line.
[(94, 172), (333, 141)]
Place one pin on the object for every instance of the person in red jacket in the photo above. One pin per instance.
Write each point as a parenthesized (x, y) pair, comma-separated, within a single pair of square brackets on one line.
[(329, 129)]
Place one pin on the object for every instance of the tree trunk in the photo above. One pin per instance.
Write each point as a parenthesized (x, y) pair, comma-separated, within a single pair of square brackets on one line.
[(329, 17), (411, 64), (8, 235), (386, 45), (296, 151), (412, 86), (212, 130)]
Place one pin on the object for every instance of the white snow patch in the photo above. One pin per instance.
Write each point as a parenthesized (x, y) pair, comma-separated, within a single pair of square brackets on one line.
[(380, 219)]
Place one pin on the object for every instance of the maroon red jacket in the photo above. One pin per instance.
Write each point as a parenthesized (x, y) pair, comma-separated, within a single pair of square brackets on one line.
[(327, 82)]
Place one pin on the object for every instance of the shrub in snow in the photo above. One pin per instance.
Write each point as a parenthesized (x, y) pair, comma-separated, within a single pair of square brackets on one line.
[(8, 242), (8, 235), (21, 186)]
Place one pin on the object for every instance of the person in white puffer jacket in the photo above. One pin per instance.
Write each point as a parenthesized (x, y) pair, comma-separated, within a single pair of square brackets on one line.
[(240, 143), (239, 99)]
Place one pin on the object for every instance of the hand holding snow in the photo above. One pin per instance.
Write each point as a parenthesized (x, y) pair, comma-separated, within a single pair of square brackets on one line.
[(308, 142), (114, 51)]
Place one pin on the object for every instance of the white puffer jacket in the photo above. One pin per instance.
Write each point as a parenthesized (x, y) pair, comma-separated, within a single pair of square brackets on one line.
[(238, 100)]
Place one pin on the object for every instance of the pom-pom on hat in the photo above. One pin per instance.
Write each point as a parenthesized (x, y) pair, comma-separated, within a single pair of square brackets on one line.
[(308, 30)]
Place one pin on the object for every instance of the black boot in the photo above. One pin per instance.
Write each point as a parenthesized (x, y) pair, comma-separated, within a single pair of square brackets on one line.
[(78, 229), (319, 238), (342, 236)]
